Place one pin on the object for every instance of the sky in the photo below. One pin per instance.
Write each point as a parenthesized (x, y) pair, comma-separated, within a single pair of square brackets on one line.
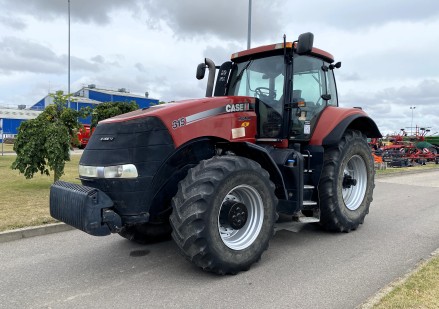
[(388, 49)]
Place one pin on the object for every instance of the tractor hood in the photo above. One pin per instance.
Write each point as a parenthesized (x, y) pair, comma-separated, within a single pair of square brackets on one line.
[(187, 108), (188, 119)]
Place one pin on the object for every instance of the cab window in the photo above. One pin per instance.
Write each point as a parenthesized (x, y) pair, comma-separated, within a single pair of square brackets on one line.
[(309, 84), (332, 89)]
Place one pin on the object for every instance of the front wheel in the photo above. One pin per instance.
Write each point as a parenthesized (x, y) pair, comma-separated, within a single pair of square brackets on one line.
[(223, 214), (347, 183)]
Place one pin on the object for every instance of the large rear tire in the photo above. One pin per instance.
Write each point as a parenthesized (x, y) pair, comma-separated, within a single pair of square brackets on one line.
[(347, 183), (224, 213)]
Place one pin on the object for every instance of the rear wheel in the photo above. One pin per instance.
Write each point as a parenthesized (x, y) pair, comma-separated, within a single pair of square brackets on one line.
[(347, 183), (223, 214)]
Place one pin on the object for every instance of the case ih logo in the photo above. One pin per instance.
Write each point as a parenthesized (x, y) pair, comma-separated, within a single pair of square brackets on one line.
[(240, 107)]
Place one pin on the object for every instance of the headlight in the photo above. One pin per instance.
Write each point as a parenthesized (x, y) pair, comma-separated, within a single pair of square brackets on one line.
[(120, 171), (88, 171), (116, 171)]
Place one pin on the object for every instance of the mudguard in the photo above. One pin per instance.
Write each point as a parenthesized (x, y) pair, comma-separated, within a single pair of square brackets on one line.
[(334, 121)]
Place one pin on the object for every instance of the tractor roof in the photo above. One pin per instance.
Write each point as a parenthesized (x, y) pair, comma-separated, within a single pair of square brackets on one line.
[(276, 49)]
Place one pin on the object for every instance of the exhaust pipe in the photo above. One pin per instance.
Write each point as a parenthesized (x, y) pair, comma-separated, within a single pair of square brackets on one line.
[(211, 79)]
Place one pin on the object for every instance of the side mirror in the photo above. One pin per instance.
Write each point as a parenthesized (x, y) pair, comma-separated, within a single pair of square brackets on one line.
[(305, 42), (335, 66), (326, 97), (201, 70)]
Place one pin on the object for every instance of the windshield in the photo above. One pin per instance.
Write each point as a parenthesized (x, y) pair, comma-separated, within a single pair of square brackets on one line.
[(260, 78), (263, 79)]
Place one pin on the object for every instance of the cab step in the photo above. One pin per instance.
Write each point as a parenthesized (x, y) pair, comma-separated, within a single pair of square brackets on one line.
[(309, 203), (300, 217), (307, 219)]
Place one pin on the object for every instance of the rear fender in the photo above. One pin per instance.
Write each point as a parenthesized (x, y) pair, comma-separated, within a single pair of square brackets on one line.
[(334, 121), (355, 122)]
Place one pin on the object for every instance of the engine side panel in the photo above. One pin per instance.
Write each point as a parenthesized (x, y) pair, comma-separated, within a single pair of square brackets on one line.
[(228, 118)]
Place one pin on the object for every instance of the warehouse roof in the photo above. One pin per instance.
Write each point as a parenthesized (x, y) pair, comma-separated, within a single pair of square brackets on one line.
[(119, 92), (84, 100), (15, 113)]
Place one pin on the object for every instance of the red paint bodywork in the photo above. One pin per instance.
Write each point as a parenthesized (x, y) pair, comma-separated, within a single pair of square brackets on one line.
[(329, 119), (267, 48), (219, 126)]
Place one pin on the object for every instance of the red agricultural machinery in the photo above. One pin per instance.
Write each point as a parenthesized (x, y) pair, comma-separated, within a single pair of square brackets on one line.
[(401, 150), (268, 139), (84, 134)]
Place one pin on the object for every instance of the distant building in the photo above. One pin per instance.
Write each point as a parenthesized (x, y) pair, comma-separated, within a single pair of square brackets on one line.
[(11, 118), (120, 95), (91, 96)]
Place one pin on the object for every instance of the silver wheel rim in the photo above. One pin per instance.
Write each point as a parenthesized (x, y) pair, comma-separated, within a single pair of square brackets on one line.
[(245, 236), (353, 196)]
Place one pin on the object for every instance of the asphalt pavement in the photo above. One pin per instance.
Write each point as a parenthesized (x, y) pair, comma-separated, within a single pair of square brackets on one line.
[(308, 268)]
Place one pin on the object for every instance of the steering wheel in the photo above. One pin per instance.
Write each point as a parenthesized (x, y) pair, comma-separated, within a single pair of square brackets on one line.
[(264, 92)]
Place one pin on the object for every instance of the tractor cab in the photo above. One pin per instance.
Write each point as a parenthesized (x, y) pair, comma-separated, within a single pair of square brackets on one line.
[(292, 82)]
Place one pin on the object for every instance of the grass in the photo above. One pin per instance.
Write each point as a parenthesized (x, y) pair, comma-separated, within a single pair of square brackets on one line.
[(396, 170), (25, 202), (7, 148), (420, 290)]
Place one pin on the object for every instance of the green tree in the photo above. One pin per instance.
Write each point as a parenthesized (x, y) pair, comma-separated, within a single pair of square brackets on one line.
[(111, 109), (43, 144)]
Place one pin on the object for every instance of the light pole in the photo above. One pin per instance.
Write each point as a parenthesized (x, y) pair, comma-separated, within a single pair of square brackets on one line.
[(249, 31), (411, 125), (68, 86)]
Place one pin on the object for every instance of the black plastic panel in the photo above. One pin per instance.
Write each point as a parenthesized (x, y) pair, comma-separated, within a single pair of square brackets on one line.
[(144, 142)]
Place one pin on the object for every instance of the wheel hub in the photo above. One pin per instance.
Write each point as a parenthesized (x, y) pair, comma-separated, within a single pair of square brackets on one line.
[(349, 181), (240, 217), (234, 214)]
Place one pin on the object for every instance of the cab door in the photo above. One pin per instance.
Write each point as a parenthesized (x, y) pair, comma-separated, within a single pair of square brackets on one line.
[(311, 78)]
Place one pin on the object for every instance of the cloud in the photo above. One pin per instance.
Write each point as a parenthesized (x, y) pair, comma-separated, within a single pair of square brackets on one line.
[(221, 53), (18, 55), (387, 48), (13, 22), (356, 15), (425, 93), (83, 10), (223, 19), (140, 67), (27, 56), (390, 107), (349, 76)]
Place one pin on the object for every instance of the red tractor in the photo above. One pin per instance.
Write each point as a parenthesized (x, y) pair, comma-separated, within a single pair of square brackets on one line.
[(84, 136), (217, 172)]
